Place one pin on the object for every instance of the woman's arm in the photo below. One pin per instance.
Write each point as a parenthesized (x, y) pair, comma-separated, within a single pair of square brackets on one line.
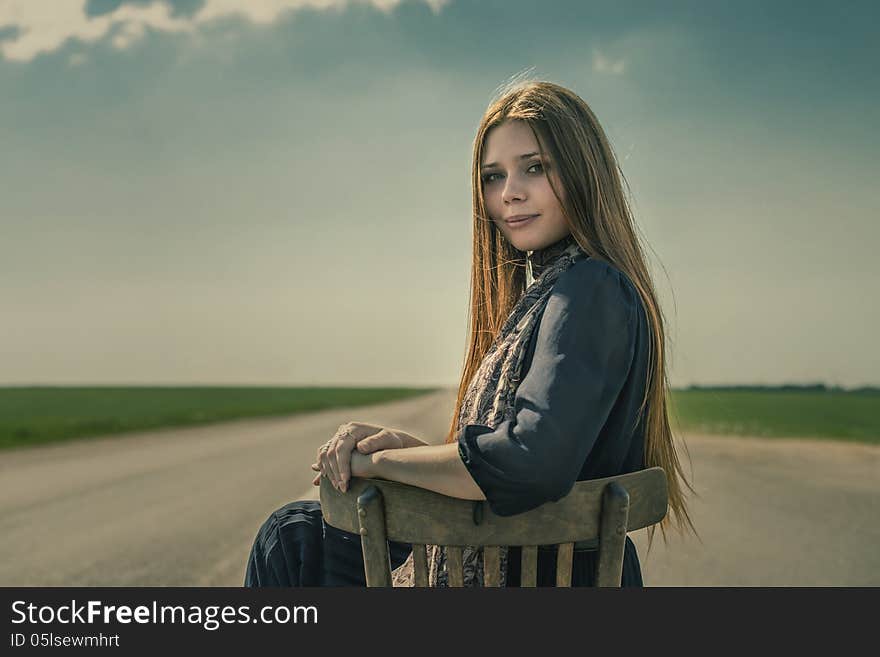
[(409, 440), (334, 457), (584, 353), (435, 467)]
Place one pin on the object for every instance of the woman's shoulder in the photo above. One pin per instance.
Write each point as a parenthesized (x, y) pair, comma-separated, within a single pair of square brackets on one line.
[(597, 304), (597, 281)]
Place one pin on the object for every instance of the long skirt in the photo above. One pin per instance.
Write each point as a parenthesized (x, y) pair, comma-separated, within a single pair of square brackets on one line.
[(295, 547)]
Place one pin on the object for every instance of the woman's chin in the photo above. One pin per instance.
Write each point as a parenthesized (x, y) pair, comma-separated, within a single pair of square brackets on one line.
[(524, 244), (521, 242)]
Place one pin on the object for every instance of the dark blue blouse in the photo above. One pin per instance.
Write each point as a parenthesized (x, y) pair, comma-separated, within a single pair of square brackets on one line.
[(577, 404)]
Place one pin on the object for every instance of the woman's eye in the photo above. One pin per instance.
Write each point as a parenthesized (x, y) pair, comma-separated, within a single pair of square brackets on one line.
[(490, 177)]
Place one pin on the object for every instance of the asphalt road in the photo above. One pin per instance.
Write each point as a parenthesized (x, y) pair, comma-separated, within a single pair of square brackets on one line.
[(181, 507)]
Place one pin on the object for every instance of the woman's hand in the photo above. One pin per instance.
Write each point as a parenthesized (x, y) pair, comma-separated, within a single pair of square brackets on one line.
[(349, 447)]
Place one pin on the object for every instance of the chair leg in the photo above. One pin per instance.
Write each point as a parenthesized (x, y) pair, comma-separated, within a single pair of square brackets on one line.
[(612, 535), (374, 538)]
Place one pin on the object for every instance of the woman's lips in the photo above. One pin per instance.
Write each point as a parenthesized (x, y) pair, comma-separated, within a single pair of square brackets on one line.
[(516, 223)]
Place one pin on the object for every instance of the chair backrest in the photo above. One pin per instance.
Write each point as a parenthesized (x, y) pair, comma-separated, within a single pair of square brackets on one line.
[(598, 510)]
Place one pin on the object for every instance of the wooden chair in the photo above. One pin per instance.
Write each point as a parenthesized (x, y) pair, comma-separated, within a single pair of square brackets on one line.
[(597, 513)]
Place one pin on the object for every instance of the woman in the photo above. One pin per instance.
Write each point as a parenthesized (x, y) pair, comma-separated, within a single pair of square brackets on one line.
[(565, 376)]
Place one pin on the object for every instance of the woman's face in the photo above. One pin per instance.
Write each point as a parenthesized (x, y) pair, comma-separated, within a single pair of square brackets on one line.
[(514, 186)]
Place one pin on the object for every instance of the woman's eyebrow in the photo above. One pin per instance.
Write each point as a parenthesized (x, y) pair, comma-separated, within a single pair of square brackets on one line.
[(495, 164)]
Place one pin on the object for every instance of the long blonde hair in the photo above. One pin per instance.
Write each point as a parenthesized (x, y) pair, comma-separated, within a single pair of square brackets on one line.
[(601, 222)]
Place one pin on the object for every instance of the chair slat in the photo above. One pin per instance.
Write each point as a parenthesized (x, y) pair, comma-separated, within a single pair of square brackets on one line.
[(420, 565), (415, 515), (454, 568), (491, 565), (563, 564), (529, 566)]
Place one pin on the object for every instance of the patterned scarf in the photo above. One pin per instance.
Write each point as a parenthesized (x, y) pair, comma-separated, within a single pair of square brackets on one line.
[(489, 399)]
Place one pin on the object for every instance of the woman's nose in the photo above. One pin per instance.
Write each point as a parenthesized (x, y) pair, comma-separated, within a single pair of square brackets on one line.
[(513, 190)]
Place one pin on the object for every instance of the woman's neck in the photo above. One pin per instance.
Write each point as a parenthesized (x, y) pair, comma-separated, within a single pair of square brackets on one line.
[(542, 258)]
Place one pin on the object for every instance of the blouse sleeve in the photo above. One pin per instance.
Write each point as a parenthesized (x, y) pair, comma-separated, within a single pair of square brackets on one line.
[(583, 353)]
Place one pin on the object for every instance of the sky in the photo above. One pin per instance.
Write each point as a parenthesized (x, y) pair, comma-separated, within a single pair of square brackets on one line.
[(277, 191)]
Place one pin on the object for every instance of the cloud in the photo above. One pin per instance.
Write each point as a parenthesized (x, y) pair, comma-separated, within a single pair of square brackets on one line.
[(604, 64), (76, 59), (178, 7), (31, 27)]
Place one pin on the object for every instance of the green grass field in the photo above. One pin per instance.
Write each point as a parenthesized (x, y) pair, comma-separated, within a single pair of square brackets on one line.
[(39, 415), (831, 414)]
